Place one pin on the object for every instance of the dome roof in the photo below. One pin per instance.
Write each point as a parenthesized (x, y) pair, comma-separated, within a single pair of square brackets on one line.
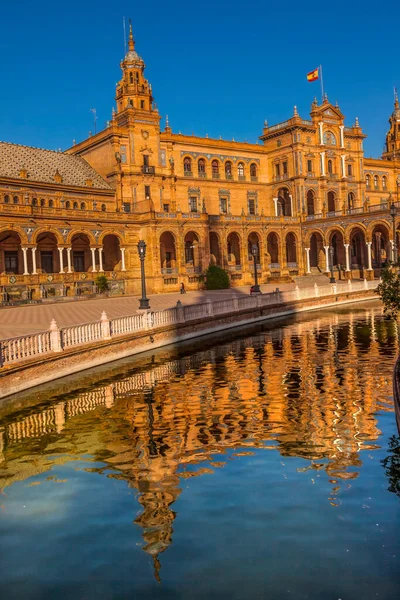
[(132, 56)]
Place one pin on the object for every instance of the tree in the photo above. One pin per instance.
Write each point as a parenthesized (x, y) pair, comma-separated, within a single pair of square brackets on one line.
[(389, 292), (102, 284), (216, 278)]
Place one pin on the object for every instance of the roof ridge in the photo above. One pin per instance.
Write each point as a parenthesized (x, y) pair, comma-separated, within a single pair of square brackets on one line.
[(34, 147)]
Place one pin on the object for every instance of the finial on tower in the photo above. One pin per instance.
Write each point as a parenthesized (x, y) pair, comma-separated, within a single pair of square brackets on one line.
[(166, 121), (265, 123), (326, 97), (396, 99), (356, 124), (295, 112), (131, 42)]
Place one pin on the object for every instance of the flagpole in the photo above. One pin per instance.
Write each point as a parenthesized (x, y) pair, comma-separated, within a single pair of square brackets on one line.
[(322, 83)]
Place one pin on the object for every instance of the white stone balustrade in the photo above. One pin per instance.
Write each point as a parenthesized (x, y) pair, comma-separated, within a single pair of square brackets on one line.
[(32, 346)]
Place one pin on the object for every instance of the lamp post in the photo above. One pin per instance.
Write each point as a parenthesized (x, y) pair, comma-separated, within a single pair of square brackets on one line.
[(144, 302), (393, 213), (332, 277), (254, 251)]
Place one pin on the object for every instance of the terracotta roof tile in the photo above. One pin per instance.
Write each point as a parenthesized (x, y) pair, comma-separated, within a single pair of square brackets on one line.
[(42, 166)]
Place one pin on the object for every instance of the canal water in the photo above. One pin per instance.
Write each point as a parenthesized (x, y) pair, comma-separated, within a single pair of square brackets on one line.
[(262, 465)]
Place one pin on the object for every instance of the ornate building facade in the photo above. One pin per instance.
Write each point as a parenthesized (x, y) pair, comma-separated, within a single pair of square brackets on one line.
[(305, 196)]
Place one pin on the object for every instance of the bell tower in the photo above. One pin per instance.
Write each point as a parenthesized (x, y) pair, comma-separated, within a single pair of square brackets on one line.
[(392, 145)]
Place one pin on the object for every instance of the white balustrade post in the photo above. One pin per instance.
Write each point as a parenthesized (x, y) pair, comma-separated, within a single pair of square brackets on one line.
[(259, 299), (391, 250), (297, 291), (100, 260), (350, 284), (25, 250), (291, 204), (69, 270), (278, 295), (326, 248), (55, 337), (105, 326), (365, 284), (346, 247), (235, 303), (93, 251), (369, 244), (209, 307), (123, 259), (34, 272), (308, 271), (60, 251), (149, 318), (180, 312)]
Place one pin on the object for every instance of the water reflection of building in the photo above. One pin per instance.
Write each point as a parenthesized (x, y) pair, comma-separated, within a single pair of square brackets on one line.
[(312, 387)]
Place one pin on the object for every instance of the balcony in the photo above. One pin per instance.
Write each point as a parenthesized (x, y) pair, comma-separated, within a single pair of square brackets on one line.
[(242, 177), (169, 271), (188, 173), (147, 170), (228, 176), (202, 174), (216, 176), (312, 217), (310, 174), (253, 178)]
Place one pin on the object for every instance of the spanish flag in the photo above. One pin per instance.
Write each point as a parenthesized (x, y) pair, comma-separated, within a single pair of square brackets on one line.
[(313, 75)]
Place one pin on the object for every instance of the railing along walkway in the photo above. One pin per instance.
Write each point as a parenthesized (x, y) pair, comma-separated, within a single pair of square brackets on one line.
[(14, 350)]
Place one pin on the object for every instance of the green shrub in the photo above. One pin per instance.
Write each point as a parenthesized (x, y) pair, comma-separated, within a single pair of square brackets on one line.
[(389, 291), (102, 284), (216, 278)]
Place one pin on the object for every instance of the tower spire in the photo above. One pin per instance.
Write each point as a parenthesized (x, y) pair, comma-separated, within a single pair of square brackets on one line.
[(131, 42), (396, 99)]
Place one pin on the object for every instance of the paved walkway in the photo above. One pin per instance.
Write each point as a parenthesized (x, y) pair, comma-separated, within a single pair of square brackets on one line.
[(21, 320)]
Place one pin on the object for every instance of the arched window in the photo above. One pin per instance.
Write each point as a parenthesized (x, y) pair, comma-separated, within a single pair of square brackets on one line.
[(34, 201), (6, 199), (215, 169), (240, 170), (201, 166), (103, 207), (228, 169), (15, 200), (83, 206), (349, 170), (68, 204), (376, 182), (187, 165), (42, 202), (253, 171), (350, 201), (75, 205), (51, 203), (329, 138), (368, 181), (130, 77), (330, 167), (310, 203), (384, 183)]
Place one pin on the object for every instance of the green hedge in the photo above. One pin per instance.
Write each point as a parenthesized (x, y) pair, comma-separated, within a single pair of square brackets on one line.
[(216, 278)]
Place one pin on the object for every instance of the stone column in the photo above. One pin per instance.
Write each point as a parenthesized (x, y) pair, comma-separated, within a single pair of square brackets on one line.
[(101, 270), (326, 248), (321, 133), (323, 164), (34, 260), (93, 251), (123, 259), (391, 250), (308, 260), (69, 260), (291, 204), (369, 244), (343, 158), (341, 127), (276, 206), (25, 250), (60, 250), (346, 250)]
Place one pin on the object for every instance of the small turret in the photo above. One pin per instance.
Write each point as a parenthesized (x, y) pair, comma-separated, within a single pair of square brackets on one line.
[(392, 145)]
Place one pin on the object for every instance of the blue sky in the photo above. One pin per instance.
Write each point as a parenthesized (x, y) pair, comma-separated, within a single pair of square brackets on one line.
[(216, 67)]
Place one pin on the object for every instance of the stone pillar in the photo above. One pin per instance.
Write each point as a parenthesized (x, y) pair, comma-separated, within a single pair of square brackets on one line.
[(346, 251), (276, 206), (69, 260), (369, 244), (391, 250), (55, 337), (93, 251), (60, 250), (291, 204), (321, 133), (308, 260), (105, 326), (123, 259), (25, 250), (34, 260), (323, 173), (326, 248), (101, 270), (341, 127), (343, 158)]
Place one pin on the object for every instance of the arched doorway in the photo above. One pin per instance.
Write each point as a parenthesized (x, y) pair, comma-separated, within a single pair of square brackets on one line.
[(358, 253), (111, 253), (192, 252), (291, 253), (81, 255), (167, 252), (310, 202), (317, 255), (337, 243), (10, 253), (284, 202), (381, 247), (273, 249), (331, 202), (47, 253), (253, 240), (215, 256), (233, 248)]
